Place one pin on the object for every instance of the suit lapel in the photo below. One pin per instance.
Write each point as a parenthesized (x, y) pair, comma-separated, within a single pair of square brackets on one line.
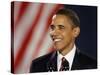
[(76, 64), (52, 63)]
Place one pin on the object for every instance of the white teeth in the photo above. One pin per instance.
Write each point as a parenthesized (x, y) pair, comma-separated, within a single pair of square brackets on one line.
[(57, 40)]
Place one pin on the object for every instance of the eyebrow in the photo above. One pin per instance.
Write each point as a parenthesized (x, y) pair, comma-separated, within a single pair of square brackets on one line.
[(61, 25), (57, 25)]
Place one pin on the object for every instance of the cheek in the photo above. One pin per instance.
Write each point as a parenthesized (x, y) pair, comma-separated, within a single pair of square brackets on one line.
[(67, 36)]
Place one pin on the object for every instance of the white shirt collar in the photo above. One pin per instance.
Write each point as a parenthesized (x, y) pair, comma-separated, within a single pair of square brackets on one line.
[(69, 57)]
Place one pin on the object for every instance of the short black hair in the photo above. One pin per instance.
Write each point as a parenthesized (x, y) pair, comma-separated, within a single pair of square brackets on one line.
[(71, 15)]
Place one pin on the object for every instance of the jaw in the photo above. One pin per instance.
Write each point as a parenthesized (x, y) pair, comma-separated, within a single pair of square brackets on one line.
[(63, 48)]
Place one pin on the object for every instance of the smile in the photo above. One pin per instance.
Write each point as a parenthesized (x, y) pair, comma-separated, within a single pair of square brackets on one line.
[(57, 40)]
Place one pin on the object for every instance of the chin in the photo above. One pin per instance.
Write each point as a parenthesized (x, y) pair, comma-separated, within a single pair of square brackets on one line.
[(58, 48)]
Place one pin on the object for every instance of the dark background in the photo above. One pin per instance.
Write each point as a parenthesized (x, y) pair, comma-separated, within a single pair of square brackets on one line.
[(87, 40)]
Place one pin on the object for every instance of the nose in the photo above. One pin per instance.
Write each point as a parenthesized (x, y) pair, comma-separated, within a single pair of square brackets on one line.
[(54, 32)]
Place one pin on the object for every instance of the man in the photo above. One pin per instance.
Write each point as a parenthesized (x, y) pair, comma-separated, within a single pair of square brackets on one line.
[(64, 29)]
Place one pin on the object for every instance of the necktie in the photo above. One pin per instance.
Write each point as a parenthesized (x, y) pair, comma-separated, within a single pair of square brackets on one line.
[(64, 65)]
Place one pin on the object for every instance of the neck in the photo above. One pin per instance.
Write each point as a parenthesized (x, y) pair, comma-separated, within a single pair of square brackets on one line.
[(67, 49)]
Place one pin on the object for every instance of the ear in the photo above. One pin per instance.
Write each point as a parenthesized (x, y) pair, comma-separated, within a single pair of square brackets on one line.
[(76, 31)]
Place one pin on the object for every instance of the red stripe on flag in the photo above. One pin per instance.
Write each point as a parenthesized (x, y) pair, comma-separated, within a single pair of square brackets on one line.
[(23, 8), (37, 50), (27, 39)]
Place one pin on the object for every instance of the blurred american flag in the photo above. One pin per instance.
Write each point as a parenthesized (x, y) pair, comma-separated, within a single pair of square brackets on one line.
[(30, 28)]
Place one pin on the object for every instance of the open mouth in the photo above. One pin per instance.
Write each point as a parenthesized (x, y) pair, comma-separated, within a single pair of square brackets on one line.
[(57, 39)]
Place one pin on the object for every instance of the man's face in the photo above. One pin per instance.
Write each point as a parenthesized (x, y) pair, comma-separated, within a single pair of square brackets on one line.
[(62, 32)]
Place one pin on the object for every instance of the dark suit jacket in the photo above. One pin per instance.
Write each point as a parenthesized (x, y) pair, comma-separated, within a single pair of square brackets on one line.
[(49, 62)]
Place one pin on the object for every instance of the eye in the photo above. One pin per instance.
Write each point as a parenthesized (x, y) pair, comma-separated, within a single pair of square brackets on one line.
[(52, 27), (61, 27)]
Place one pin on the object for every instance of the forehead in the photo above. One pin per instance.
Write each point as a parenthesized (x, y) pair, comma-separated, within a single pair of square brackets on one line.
[(60, 19)]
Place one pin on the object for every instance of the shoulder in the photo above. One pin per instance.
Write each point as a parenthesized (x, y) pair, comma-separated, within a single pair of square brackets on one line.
[(39, 64), (43, 58), (85, 57), (86, 60)]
